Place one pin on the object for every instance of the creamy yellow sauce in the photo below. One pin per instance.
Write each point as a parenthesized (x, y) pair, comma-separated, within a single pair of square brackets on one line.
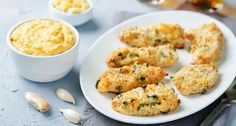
[(43, 37)]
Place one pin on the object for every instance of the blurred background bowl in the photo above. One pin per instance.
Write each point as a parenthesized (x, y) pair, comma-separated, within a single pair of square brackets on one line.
[(74, 19)]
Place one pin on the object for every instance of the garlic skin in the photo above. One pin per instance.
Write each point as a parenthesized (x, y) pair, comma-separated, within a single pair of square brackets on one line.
[(70, 115), (37, 101), (64, 95)]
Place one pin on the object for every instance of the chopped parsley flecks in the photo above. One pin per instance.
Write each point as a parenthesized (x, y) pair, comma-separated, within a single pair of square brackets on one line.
[(203, 46), (181, 78), (133, 55), (118, 88), (152, 104), (162, 54), (158, 40), (121, 71), (189, 49), (114, 62), (142, 78), (122, 56), (154, 96), (141, 106), (204, 91), (165, 112), (166, 41), (125, 103)]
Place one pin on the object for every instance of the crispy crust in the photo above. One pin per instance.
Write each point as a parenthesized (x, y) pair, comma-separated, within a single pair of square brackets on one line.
[(128, 77), (161, 56), (155, 35), (146, 101), (196, 79), (207, 43)]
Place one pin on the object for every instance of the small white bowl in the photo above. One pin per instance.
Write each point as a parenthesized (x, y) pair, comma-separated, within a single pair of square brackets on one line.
[(44, 68), (74, 19)]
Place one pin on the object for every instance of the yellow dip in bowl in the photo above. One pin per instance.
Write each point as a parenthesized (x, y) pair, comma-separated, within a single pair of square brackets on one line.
[(43, 37)]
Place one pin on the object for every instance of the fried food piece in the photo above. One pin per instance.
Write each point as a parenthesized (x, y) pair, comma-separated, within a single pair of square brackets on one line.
[(196, 79), (146, 101), (161, 56), (207, 41), (128, 77), (143, 36)]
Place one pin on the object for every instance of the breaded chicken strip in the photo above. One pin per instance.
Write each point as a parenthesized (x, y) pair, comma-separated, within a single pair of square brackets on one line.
[(146, 101), (155, 35), (207, 42), (196, 79), (128, 77), (161, 56)]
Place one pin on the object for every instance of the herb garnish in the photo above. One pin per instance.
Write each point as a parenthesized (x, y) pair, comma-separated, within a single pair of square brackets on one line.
[(121, 71), (165, 112), (204, 91), (152, 104), (162, 54), (118, 88), (142, 78), (125, 103), (141, 106), (154, 96), (122, 56), (133, 55)]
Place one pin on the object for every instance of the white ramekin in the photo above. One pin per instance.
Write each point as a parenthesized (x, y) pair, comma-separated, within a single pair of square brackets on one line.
[(44, 68), (74, 19)]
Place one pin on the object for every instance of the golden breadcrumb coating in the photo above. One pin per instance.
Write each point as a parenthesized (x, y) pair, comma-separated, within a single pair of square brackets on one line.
[(207, 43), (161, 56), (146, 101), (196, 79), (128, 77), (155, 35)]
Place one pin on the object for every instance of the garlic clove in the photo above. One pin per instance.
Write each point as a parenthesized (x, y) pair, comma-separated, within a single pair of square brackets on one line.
[(70, 115), (64, 95), (37, 101)]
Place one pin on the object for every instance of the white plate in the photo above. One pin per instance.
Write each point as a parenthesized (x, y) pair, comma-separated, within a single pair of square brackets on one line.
[(94, 65)]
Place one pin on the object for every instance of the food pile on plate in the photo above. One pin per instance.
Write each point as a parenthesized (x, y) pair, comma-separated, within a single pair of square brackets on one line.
[(136, 73)]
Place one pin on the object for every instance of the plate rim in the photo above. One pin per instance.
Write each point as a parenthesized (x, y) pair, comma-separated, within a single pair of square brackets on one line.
[(129, 20)]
